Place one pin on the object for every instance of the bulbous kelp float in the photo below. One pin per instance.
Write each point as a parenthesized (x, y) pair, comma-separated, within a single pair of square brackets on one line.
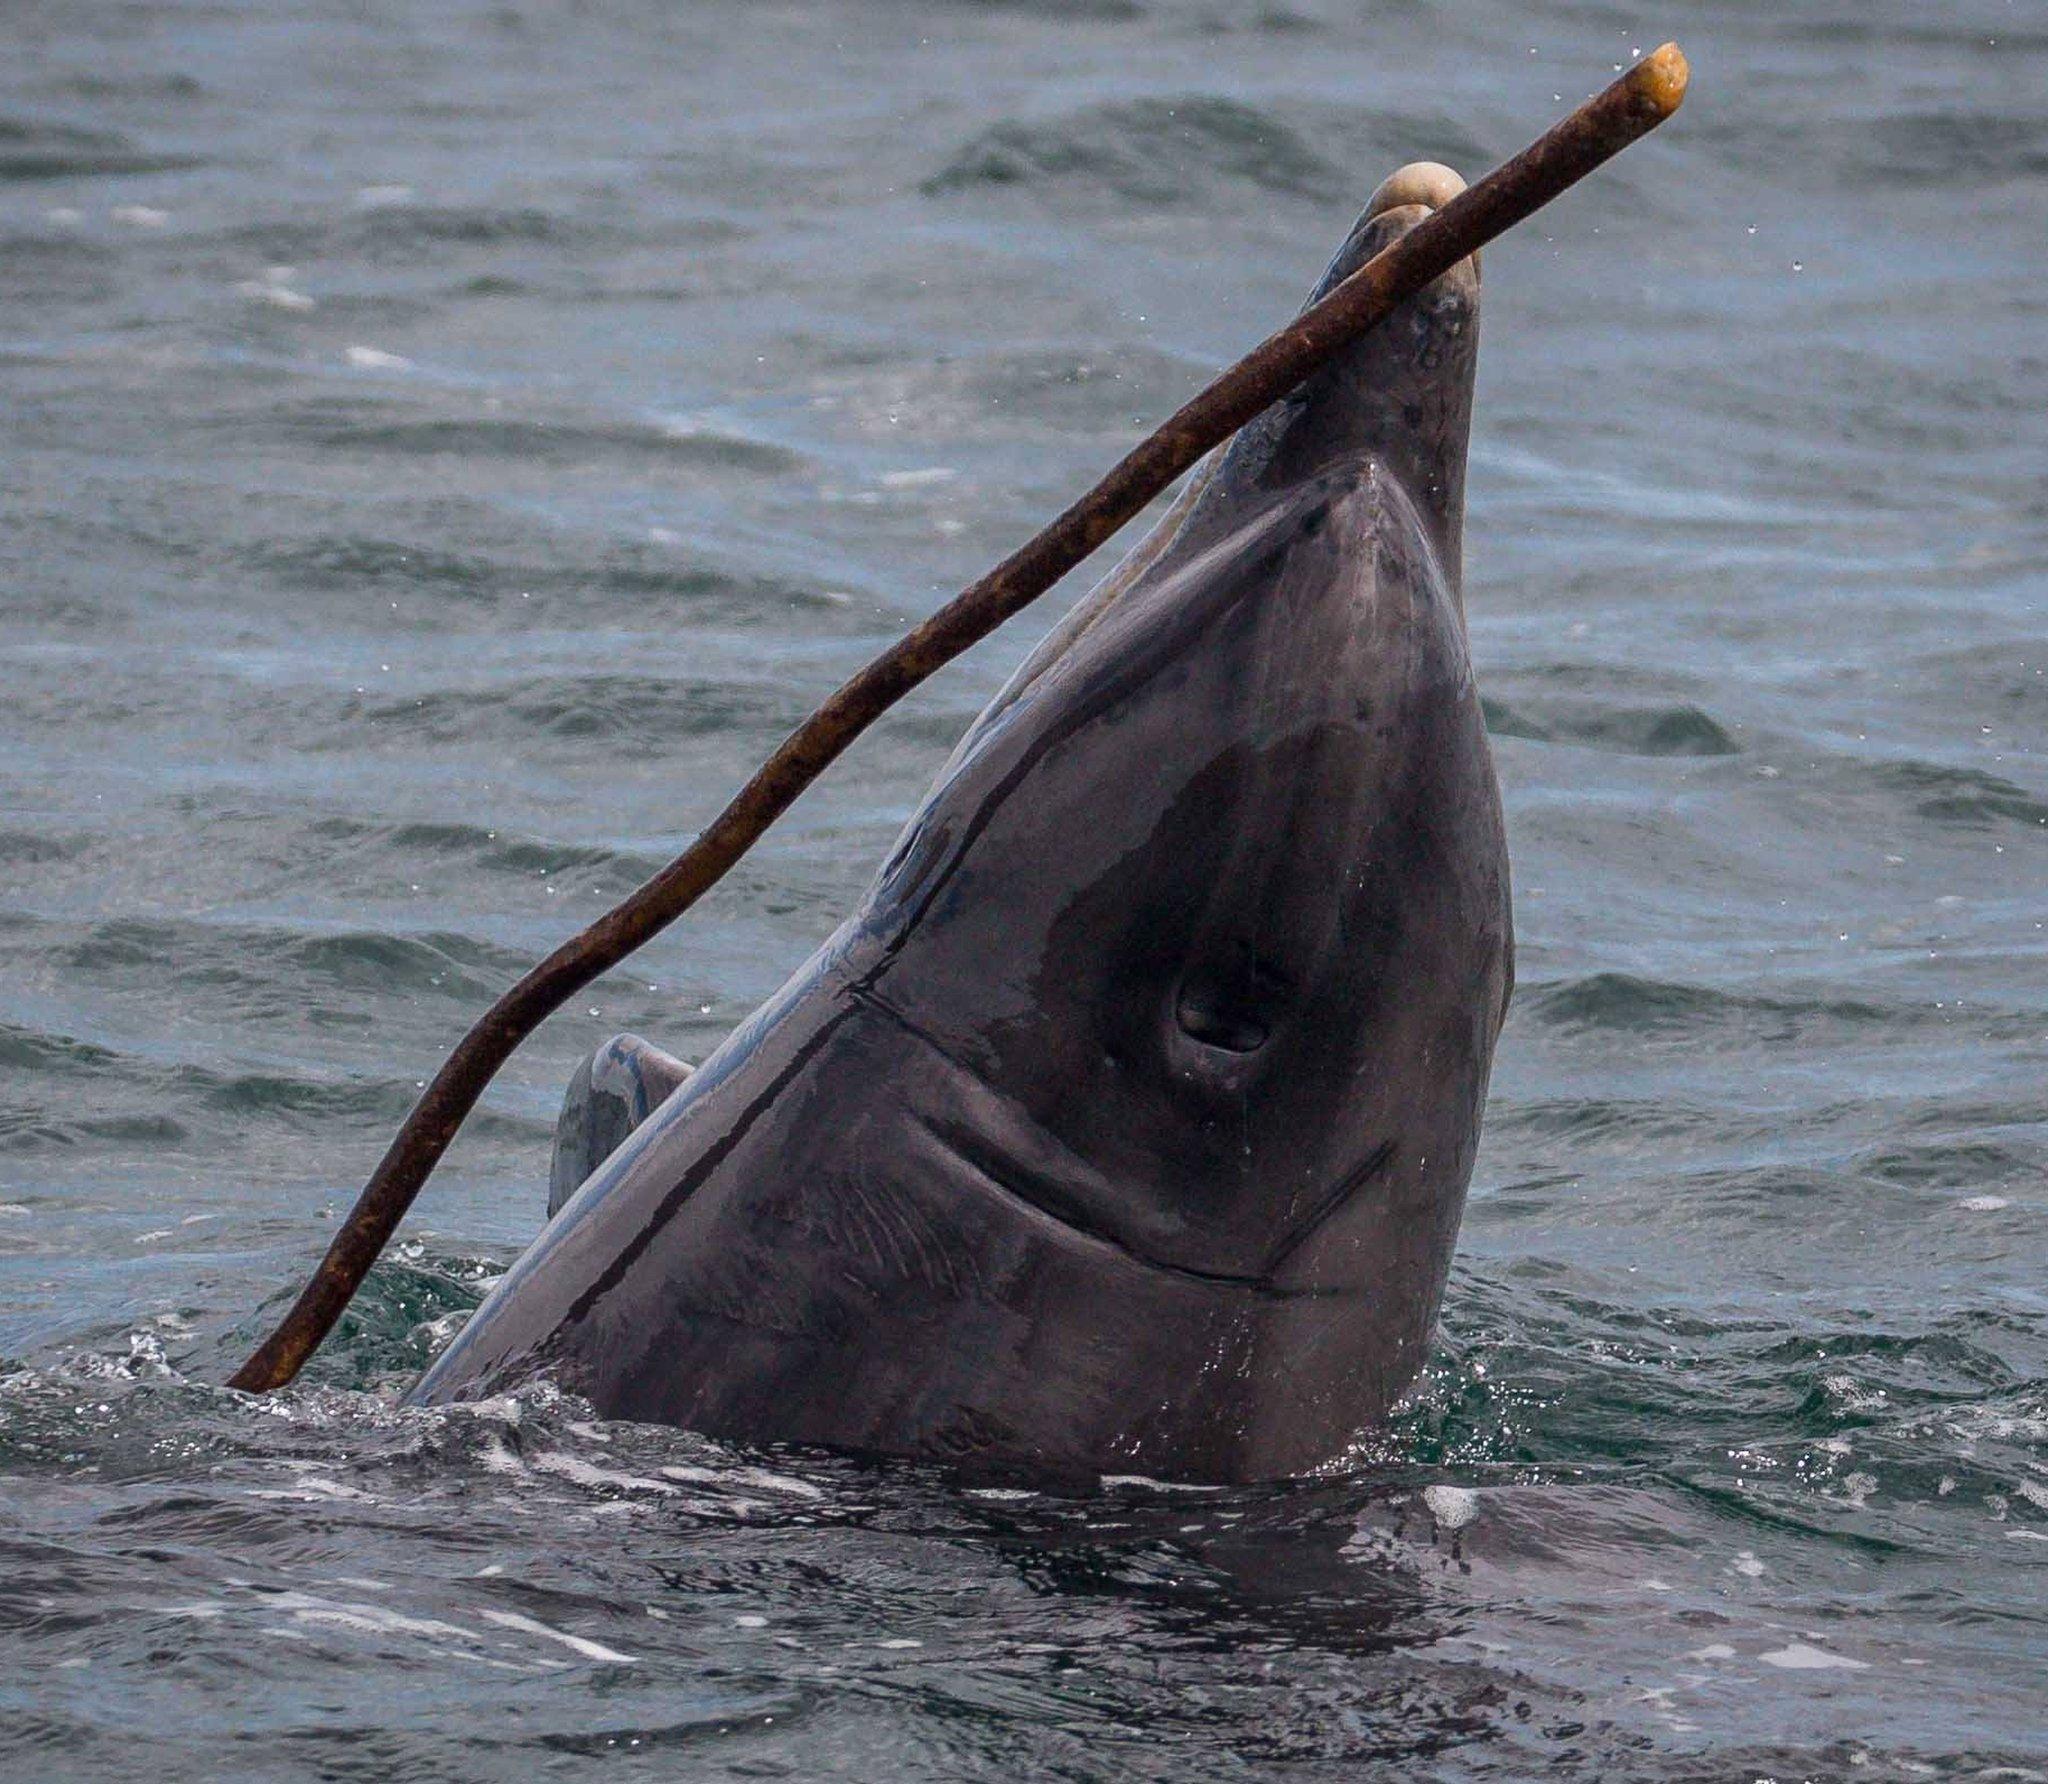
[(1127, 1123)]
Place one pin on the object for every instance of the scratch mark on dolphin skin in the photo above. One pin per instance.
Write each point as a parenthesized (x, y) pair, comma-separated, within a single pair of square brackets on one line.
[(878, 1223), (1333, 1199), (714, 1155)]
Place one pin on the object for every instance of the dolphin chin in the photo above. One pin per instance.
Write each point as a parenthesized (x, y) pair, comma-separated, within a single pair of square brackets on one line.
[(1127, 1122)]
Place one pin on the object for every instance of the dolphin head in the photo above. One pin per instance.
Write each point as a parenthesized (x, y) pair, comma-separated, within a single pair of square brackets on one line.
[(1212, 908), (1128, 1120)]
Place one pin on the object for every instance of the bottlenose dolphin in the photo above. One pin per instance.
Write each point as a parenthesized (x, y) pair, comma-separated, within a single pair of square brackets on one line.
[(1126, 1124)]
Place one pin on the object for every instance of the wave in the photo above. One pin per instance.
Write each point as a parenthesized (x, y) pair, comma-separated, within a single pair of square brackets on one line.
[(1967, 796), (1631, 1005), (1148, 151), (375, 425), (493, 851), (401, 233), (33, 149), (586, 706), (1941, 148), (268, 958), (23, 848), (1676, 730), (1070, 394), (650, 582)]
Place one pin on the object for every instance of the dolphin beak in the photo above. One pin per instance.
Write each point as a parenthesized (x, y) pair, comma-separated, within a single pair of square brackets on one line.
[(1402, 392), (1420, 182), (1428, 183)]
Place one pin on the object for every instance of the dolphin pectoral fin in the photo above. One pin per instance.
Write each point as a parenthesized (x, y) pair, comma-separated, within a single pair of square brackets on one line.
[(613, 1091)]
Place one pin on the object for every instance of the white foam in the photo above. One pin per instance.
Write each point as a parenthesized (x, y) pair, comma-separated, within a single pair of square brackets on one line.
[(375, 359), (588, 1474), (498, 1406), (762, 1478), (281, 297), (1974, 1423), (1452, 1507), (333, 1489), (495, 1458), (140, 216), (1852, 1393), (1984, 1204), (1804, 1657), (590, 1650), (371, 1619)]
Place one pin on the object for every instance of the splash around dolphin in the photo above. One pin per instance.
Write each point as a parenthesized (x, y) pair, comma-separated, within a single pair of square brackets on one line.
[(1126, 1125)]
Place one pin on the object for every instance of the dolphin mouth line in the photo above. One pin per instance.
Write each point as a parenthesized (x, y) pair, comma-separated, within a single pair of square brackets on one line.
[(1034, 1190)]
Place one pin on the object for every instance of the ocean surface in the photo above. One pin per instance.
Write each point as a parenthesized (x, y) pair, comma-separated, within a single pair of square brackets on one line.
[(444, 444)]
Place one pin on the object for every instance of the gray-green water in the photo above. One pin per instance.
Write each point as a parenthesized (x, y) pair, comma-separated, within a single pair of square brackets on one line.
[(442, 446)]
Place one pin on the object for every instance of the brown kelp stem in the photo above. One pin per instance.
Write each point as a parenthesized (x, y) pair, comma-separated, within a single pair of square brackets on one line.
[(1607, 123)]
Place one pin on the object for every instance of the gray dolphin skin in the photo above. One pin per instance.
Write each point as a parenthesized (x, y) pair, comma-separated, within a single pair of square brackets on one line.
[(1126, 1124)]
